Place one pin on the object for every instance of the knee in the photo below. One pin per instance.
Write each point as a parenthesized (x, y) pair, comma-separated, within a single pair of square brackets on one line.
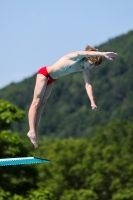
[(43, 102), (36, 103)]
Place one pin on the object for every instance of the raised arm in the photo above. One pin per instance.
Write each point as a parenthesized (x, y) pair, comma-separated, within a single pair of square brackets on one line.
[(107, 55), (89, 90)]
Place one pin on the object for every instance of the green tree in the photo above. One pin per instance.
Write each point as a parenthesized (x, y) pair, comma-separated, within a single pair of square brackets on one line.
[(14, 179), (97, 169), (19, 178), (8, 114), (110, 160)]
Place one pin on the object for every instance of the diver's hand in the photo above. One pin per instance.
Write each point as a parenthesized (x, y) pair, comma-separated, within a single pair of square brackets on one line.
[(94, 107), (110, 55)]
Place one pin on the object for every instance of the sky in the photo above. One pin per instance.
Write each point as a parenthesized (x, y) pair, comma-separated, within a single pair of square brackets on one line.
[(36, 33)]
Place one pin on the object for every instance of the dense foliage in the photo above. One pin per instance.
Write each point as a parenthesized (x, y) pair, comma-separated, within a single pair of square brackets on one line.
[(68, 111), (80, 169), (101, 168), (8, 114)]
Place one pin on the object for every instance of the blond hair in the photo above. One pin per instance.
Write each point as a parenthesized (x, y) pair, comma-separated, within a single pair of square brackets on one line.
[(95, 60)]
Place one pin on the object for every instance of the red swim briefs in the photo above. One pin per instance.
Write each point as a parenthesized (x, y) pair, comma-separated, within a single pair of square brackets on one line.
[(44, 72)]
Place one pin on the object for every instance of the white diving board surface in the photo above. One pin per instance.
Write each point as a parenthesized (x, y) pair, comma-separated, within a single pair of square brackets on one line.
[(22, 161)]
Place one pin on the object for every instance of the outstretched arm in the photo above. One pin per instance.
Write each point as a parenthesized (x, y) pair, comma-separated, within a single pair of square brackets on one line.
[(107, 55), (89, 90)]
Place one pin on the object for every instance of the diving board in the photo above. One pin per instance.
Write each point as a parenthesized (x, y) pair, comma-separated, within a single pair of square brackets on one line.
[(22, 161)]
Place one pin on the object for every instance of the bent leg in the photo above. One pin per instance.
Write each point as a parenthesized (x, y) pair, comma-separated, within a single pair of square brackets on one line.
[(40, 87)]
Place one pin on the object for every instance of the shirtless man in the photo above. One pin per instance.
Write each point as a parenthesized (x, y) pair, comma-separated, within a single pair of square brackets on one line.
[(79, 61)]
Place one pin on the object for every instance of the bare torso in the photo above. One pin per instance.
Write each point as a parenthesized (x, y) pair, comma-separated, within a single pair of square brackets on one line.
[(67, 64)]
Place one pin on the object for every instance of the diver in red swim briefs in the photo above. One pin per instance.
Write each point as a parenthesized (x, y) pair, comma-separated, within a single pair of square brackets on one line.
[(79, 61), (44, 72)]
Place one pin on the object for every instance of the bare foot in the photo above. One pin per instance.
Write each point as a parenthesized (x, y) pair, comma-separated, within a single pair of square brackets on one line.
[(33, 139)]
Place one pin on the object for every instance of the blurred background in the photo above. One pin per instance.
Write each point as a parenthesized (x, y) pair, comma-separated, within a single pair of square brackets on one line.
[(91, 153)]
